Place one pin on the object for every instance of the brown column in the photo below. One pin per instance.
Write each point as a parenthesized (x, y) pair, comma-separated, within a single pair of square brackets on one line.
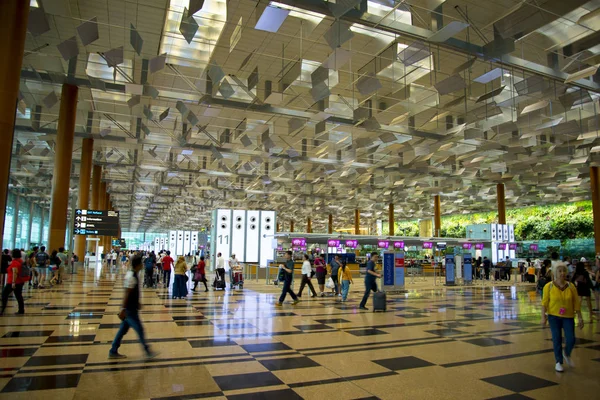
[(83, 200), (357, 222), (330, 224), (101, 206), (292, 226), (13, 29), (63, 153), (107, 238), (308, 225), (595, 184), (501, 203), (278, 230), (437, 216), (391, 219), (96, 177)]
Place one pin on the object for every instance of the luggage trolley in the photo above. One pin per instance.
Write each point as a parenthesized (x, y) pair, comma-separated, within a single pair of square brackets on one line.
[(238, 278)]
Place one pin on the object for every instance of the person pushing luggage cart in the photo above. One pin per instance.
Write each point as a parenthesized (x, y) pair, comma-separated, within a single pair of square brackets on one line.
[(370, 280)]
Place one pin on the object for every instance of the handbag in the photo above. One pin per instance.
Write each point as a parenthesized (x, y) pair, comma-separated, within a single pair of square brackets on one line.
[(312, 273), (330, 284), (281, 275)]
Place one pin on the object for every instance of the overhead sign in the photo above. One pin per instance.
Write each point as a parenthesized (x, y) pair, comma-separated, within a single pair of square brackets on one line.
[(467, 246), (398, 245), (299, 242), (96, 222), (428, 245), (333, 243), (383, 244), (352, 243), (501, 246), (512, 246), (533, 247), (479, 246)]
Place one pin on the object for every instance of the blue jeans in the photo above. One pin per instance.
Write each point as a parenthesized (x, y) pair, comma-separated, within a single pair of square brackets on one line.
[(369, 286), (287, 288), (557, 324), (132, 319), (345, 289)]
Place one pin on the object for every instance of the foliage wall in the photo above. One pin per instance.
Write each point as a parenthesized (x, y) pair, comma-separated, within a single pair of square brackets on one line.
[(558, 221)]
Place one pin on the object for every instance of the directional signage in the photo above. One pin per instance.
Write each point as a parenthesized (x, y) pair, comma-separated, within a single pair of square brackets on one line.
[(96, 222)]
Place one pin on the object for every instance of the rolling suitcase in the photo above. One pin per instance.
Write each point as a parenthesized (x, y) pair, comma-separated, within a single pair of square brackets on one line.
[(379, 301), (219, 283)]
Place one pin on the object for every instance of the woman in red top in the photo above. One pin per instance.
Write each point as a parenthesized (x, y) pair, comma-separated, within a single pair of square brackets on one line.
[(15, 282), (200, 275), (321, 272)]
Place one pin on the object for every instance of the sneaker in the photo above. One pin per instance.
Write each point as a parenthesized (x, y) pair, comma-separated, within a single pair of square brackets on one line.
[(279, 304), (295, 302), (116, 356), (559, 367), (151, 354), (322, 294), (363, 308), (313, 296), (568, 360)]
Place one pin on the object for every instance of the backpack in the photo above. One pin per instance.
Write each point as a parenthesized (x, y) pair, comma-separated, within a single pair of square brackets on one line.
[(40, 258), (148, 262), (25, 272)]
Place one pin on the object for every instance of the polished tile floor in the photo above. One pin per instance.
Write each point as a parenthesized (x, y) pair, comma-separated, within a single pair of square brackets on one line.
[(461, 343)]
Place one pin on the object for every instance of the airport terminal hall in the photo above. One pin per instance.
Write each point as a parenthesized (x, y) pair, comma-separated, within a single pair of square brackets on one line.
[(300, 199)]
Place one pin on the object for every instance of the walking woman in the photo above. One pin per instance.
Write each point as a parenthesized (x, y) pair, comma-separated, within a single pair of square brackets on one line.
[(180, 282), (560, 303), (14, 283), (306, 275), (321, 272), (582, 281), (345, 279), (53, 267), (6, 259), (200, 275)]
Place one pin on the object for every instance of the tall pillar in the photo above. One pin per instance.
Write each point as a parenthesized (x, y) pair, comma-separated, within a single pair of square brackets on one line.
[(501, 203), (391, 221), (107, 241), (63, 152), (15, 222), (13, 28), (292, 226), (30, 226), (330, 224), (357, 222), (42, 224), (96, 187), (83, 199), (278, 227), (595, 184), (308, 225), (102, 206), (437, 216)]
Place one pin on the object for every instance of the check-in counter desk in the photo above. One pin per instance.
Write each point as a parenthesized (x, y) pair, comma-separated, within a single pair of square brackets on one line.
[(355, 269)]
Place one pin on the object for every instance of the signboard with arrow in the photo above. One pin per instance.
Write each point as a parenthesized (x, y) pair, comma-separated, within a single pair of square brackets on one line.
[(96, 222)]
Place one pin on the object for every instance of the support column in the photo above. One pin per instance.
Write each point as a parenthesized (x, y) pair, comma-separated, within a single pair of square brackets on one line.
[(595, 184), (96, 187), (330, 224), (41, 235), (107, 239), (437, 216), (278, 228), (357, 222), (292, 226), (102, 206), (30, 225), (13, 28), (391, 221), (308, 225), (15, 222), (63, 153), (83, 199), (501, 203)]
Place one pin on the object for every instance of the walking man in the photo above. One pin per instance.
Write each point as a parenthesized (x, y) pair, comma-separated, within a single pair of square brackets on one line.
[(288, 272), (370, 280), (129, 314), (335, 267)]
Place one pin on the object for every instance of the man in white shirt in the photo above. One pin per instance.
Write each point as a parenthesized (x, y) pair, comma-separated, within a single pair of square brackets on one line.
[(220, 266), (233, 264)]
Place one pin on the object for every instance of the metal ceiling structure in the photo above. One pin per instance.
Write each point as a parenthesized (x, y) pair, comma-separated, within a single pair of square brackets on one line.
[(311, 107)]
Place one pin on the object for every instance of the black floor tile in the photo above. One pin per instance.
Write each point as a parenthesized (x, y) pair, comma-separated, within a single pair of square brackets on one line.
[(260, 347), (519, 382), (41, 383), (287, 394), (70, 339), (27, 334), (367, 332), (596, 347), (312, 327), (578, 341), (454, 324), (92, 303), (522, 324), (515, 396), (45, 361), (27, 352), (109, 326), (474, 315), (62, 308), (413, 315), (283, 314), (446, 332), (331, 321), (487, 342), (193, 323), (245, 381), (288, 363), (211, 343), (189, 318), (400, 363)]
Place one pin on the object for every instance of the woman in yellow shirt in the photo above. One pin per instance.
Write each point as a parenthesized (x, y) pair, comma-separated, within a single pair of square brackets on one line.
[(344, 279), (180, 281), (560, 303)]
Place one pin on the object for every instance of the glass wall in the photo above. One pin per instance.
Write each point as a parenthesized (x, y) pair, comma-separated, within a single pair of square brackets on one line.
[(7, 240), (22, 238), (36, 225)]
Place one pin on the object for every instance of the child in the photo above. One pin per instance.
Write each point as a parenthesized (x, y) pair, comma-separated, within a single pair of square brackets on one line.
[(129, 314)]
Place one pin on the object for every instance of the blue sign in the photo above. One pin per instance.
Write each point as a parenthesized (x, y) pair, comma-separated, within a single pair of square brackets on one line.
[(468, 267), (399, 270), (388, 269), (450, 269)]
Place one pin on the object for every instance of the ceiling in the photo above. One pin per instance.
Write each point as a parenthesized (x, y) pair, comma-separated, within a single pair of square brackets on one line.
[(350, 105)]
